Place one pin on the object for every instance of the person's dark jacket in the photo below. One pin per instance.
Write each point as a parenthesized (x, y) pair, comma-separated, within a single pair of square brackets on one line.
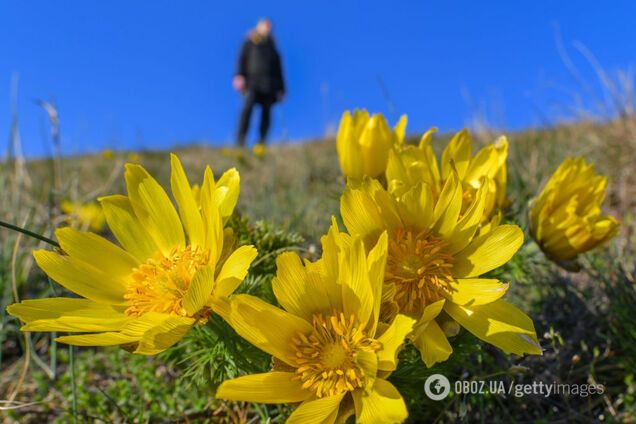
[(260, 64)]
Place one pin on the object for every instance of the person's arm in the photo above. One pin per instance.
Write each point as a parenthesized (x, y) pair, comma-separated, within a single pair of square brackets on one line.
[(279, 75)]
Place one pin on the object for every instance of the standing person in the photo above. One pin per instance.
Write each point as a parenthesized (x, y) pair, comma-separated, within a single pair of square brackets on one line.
[(259, 78)]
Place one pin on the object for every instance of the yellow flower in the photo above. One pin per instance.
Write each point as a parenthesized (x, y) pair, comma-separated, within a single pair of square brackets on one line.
[(85, 215), (330, 352), (108, 154), (413, 165), (566, 220), (133, 157), (148, 293), (363, 143), (435, 260)]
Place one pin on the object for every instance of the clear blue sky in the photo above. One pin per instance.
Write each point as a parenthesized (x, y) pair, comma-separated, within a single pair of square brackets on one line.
[(142, 74)]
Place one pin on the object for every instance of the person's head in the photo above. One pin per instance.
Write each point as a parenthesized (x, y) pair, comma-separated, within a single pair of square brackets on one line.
[(264, 27)]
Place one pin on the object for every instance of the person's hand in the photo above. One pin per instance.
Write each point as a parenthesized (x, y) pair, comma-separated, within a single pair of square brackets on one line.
[(280, 96), (238, 82)]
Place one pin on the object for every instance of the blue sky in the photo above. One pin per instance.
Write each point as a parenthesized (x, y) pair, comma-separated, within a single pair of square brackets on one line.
[(141, 74)]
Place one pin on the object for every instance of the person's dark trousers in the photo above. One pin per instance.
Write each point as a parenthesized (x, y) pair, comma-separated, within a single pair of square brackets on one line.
[(265, 101)]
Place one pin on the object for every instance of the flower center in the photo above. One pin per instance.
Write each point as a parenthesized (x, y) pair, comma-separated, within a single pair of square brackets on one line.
[(327, 358), (419, 268), (160, 284)]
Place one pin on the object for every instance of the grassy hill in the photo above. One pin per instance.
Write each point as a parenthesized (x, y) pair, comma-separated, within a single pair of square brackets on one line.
[(584, 320)]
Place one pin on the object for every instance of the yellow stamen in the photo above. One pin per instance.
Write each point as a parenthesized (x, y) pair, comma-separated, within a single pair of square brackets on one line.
[(160, 284), (327, 358), (419, 268)]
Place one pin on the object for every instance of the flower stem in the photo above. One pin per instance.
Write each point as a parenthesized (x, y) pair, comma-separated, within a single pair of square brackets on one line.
[(71, 355), (29, 233), (53, 346)]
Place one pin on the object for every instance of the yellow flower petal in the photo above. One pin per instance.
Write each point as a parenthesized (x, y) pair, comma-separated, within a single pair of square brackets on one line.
[(357, 294), (78, 324), (317, 411), (488, 251), (212, 220), (459, 150), (360, 213), (144, 323), (386, 204), (416, 207), (98, 339), (199, 291), (154, 332), (383, 404), (328, 264), (464, 231), (231, 182), (234, 270), (397, 170), (188, 208), (290, 285), (124, 224), (269, 387), (165, 334), (392, 340), (154, 209), (347, 143), (376, 262), (431, 168), (375, 142), (432, 343), (67, 314), (432, 311), (500, 324), (484, 164), (501, 177), (427, 137), (448, 206), (475, 291), (400, 130), (80, 278), (265, 326), (54, 307), (88, 215), (298, 292), (96, 251), (490, 225), (368, 361)]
